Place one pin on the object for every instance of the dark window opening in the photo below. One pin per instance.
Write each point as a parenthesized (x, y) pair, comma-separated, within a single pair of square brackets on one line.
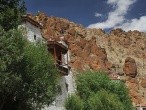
[(66, 86), (34, 37), (59, 62)]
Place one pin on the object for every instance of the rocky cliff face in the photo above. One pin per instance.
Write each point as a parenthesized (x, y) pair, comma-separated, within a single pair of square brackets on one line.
[(120, 52)]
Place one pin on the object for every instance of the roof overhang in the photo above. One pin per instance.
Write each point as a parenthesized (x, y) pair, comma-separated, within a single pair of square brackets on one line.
[(32, 21), (59, 46)]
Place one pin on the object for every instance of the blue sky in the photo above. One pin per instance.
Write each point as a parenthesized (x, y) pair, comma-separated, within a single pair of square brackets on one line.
[(105, 14)]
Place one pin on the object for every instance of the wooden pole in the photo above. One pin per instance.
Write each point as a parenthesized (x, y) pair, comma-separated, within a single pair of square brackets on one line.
[(55, 55), (67, 53)]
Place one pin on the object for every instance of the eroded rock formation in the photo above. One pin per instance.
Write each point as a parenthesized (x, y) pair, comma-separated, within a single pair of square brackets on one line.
[(130, 68), (93, 49)]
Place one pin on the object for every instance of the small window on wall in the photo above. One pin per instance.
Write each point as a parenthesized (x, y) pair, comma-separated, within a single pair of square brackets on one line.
[(34, 37)]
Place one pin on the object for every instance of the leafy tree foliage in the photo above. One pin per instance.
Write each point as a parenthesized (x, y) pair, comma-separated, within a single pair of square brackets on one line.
[(104, 100), (98, 92), (27, 73), (11, 12), (74, 103)]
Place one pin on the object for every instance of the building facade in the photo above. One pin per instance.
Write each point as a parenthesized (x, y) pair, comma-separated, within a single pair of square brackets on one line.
[(59, 50), (32, 29)]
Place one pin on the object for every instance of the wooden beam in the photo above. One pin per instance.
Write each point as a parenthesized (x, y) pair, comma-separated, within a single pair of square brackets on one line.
[(55, 55)]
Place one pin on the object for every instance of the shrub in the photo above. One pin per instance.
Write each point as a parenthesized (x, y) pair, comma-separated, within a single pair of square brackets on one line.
[(74, 103), (98, 92), (28, 75)]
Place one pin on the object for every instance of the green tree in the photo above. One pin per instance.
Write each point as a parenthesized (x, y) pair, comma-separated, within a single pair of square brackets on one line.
[(11, 12), (104, 100), (98, 92), (74, 102), (27, 74)]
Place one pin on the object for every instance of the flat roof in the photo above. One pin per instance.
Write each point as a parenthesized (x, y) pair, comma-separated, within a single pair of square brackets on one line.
[(32, 21), (58, 45), (140, 105)]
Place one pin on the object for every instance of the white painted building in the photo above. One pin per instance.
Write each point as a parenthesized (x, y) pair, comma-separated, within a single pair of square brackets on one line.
[(60, 52), (141, 107), (32, 29)]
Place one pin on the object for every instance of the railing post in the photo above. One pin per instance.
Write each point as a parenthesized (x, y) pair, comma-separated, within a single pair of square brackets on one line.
[(55, 55)]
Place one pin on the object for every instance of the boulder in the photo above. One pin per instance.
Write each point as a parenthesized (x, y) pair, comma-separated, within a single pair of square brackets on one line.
[(130, 68)]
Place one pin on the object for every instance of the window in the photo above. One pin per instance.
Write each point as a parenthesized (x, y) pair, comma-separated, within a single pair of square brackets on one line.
[(34, 37), (66, 86)]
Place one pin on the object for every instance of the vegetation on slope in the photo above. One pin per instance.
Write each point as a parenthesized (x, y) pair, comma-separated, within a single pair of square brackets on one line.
[(27, 73), (11, 12), (95, 91)]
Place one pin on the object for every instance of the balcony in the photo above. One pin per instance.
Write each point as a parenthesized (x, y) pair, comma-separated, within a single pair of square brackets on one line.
[(59, 50)]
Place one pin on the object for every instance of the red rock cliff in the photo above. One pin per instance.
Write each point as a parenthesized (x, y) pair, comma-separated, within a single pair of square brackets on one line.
[(93, 49)]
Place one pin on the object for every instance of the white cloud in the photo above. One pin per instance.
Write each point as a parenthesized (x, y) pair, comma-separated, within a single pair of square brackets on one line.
[(98, 15), (116, 17), (135, 24)]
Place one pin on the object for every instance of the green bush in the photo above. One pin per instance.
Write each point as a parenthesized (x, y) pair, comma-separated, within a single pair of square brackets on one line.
[(11, 12), (91, 82), (74, 103), (28, 76), (104, 100), (98, 92)]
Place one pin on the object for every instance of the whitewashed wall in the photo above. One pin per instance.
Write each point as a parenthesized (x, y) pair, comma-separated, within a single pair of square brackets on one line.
[(32, 31), (58, 104), (67, 84), (63, 94), (70, 80)]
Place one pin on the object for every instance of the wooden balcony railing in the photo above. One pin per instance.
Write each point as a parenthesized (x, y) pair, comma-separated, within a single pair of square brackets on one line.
[(62, 67)]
